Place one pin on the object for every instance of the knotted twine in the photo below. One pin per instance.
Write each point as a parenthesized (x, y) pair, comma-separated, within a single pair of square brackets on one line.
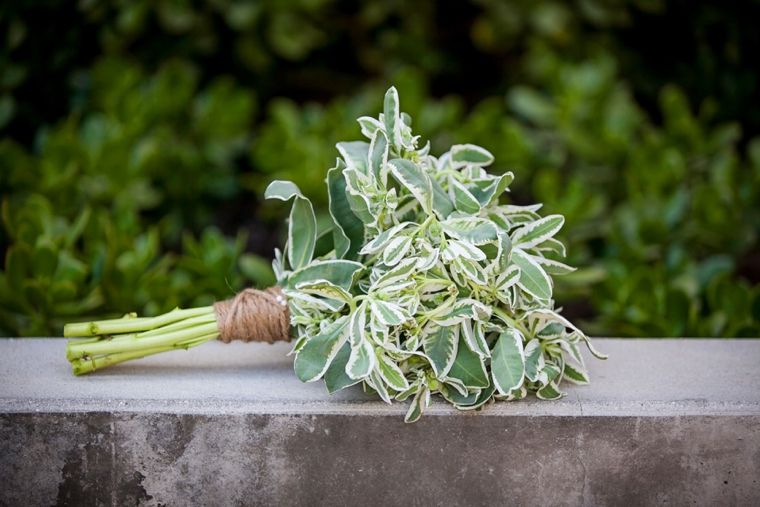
[(254, 316)]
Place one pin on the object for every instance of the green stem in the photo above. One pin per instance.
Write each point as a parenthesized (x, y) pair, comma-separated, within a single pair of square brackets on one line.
[(132, 325), (82, 366), (137, 343)]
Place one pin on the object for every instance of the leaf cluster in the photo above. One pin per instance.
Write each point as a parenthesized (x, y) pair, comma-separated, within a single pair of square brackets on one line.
[(425, 283)]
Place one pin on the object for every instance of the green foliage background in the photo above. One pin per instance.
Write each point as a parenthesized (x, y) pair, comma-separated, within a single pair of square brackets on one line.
[(137, 137)]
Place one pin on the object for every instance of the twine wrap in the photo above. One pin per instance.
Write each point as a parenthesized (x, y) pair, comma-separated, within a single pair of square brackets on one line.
[(254, 316)]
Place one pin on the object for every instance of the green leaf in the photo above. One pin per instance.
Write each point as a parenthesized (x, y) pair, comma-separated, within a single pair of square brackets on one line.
[(469, 368), (355, 154), (553, 267), (441, 202), (463, 249), (378, 155), (338, 272), (396, 249), (481, 400), (325, 289), (348, 233), (282, 190), (391, 373), (317, 353), (390, 314), (475, 338), (575, 374), (534, 360), (551, 330), (488, 190), (537, 232), (414, 179), (402, 271), (468, 154), (357, 325), (455, 397), (440, 345), (550, 392), (463, 199), (533, 279), (419, 403), (391, 116), (361, 361), (302, 226), (508, 362), (335, 376), (476, 231)]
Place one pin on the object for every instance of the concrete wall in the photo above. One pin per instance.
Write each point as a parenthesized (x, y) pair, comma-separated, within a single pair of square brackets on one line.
[(230, 425)]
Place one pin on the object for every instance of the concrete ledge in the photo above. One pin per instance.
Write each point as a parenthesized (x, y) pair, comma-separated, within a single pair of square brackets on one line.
[(664, 421)]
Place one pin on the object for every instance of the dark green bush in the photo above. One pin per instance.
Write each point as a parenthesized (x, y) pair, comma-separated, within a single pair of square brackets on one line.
[(138, 137)]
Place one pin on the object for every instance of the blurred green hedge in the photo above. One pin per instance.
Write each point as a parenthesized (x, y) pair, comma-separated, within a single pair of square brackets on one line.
[(137, 138)]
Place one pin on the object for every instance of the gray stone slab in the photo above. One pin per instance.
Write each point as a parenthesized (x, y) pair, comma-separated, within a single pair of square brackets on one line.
[(664, 421)]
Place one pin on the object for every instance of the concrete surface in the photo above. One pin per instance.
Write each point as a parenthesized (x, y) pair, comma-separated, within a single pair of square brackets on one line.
[(673, 422)]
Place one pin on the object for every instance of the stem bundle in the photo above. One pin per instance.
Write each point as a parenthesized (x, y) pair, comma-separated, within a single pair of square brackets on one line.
[(108, 342)]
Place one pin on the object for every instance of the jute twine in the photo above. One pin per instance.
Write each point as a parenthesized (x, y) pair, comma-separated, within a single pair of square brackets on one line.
[(254, 316)]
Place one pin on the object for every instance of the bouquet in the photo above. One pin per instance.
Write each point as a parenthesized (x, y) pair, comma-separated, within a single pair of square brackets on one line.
[(425, 284)]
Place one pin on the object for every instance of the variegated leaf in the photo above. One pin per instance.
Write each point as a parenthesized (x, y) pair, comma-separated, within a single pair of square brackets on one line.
[(361, 361), (508, 362), (414, 179), (392, 119), (463, 199), (396, 249), (391, 373), (537, 232), (467, 154), (469, 368), (476, 231), (325, 289), (533, 279), (317, 353), (440, 346), (390, 314), (356, 154)]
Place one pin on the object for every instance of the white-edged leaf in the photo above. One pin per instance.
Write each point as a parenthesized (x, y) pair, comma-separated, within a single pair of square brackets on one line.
[(335, 376), (396, 249), (357, 325), (553, 245), (348, 233), (476, 231), (455, 249), (369, 125), (317, 353), (440, 346), (554, 267), (356, 154), (533, 279), (508, 362), (575, 374), (418, 406), (550, 392), (537, 232), (414, 179), (469, 368), (504, 255), (361, 361), (427, 262), (392, 118), (325, 289), (534, 361), (463, 199), (389, 314), (400, 272), (382, 239), (466, 154), (475, 337), (391, 373), (342, 273), (378, 156)]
